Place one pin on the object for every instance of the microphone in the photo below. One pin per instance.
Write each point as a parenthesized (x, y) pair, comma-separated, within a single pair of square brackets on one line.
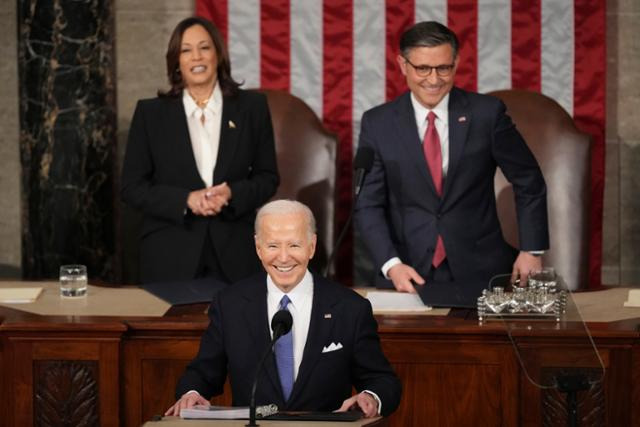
[(362, 165), (280, 325)]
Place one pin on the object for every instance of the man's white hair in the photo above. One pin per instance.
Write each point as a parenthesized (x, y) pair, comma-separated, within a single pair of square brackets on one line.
[(283, 207)]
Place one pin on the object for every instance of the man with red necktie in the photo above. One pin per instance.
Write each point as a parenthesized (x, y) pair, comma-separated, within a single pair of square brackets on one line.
[(427, 209)]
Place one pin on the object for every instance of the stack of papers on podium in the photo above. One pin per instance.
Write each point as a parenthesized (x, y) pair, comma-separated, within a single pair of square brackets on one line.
[(395, 301), (633, 300), (19, 295), (226, 412)]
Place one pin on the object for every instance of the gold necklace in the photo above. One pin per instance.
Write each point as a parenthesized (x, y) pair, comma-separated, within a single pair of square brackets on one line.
[(200, 104), (203, 103)]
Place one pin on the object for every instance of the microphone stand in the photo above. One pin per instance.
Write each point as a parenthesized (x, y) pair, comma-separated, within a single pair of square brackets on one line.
[(363, 163), (252, 402), (281, 325), (341, 237)]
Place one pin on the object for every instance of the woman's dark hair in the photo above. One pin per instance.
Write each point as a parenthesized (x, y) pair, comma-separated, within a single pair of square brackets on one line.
[(228, 86), (428, 34)]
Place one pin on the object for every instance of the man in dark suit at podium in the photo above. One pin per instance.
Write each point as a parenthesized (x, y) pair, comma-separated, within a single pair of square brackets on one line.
[(332, 347)]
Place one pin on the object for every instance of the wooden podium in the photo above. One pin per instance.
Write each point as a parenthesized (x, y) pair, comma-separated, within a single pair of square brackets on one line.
[(177, 422), (114, 371)]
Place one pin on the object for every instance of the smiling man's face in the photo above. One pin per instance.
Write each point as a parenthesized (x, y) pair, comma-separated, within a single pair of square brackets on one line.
[(285, 245), (429, 90)]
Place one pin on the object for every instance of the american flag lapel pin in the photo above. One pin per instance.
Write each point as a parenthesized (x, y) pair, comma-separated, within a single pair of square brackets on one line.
[(327, 316), (462, 119), (231, 124)]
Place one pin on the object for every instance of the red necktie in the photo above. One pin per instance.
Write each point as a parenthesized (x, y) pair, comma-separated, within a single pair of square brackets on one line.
[(433, 154)]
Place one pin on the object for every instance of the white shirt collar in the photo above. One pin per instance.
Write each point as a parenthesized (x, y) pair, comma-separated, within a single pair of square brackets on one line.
[(214, 105), (441, 110), (301, 290)]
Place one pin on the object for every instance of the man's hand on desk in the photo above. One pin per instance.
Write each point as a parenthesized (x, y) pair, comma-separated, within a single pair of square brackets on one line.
[(401, 275), (188, 400), (525, 263), (363, 401)]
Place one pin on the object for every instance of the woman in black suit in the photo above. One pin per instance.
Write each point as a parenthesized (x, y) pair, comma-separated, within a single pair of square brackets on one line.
[(200, 160)]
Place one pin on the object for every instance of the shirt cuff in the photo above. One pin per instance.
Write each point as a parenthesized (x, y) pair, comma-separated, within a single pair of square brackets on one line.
[(375, 396), (536, 253), (387, 266), (193, 391)]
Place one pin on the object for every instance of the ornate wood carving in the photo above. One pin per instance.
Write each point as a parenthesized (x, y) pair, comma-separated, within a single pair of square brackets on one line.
[(591, 402), (65, 393)]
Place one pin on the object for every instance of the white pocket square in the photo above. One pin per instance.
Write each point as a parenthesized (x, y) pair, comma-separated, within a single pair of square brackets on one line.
[(332, 347)]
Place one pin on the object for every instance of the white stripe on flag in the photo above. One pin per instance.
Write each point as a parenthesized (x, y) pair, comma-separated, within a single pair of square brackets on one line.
[(368, 58), (306, 52), (557, 62), (244, 41), (431, 10), (494, 45)]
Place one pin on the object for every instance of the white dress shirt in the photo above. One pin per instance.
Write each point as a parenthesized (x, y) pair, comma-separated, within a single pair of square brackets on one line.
[(442, 126), (301, 297), (205, 137)]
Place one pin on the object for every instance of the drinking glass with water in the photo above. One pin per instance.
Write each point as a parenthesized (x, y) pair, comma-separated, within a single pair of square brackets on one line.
[(543, 278), (73, 280)]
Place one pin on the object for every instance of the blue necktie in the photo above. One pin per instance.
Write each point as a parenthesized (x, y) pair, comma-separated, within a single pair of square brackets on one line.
[(284, 356)]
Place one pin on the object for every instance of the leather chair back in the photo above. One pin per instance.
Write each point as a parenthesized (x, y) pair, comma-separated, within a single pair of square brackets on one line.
[(563, 153), (307, 156)]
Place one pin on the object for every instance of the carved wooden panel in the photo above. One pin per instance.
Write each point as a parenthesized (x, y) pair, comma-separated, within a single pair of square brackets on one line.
[(590, 402), (65, 393)]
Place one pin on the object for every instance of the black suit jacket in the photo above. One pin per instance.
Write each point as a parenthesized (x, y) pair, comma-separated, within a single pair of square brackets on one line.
[(399, 213), (160, 170), (239, 334)]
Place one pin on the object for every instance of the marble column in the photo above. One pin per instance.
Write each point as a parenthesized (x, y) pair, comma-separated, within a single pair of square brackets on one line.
[(67, 135)]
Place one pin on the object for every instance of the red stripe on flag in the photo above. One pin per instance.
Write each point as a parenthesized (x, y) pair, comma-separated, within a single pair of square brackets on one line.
[(589, 113), (337, 105), (215, 11), (462, 17), (526, 45), (275, 45), (398, 18)]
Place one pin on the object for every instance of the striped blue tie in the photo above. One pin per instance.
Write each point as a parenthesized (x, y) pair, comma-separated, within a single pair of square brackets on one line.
[(284, 356)]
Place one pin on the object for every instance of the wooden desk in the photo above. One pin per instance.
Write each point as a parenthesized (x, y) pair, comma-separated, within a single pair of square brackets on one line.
[(177, 422), (122, 371)]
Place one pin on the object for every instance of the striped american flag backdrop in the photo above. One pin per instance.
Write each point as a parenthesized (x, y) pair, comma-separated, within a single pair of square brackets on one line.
[(339, 57)]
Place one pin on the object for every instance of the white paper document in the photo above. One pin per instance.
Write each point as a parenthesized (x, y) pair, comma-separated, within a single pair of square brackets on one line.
[(395, 301), (19, 295), (634, 298), (226, 412)]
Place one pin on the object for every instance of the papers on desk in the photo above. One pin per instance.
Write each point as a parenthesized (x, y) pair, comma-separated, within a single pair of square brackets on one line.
[(396, 301), (226, 412), (634, 298), (19, 295)]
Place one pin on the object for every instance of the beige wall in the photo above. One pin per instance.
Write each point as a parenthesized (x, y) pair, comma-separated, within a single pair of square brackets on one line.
[(142, 31), (10, 248), (621, 225), (143, 28)]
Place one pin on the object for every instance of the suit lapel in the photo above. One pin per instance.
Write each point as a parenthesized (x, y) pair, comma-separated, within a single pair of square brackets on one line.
[(405, 122), (230, 127), (178, 134), (320, 328), (255, 316), (459, 123)]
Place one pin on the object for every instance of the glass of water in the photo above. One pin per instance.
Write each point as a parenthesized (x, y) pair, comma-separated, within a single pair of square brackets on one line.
[(73, 280), (543, 278)]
